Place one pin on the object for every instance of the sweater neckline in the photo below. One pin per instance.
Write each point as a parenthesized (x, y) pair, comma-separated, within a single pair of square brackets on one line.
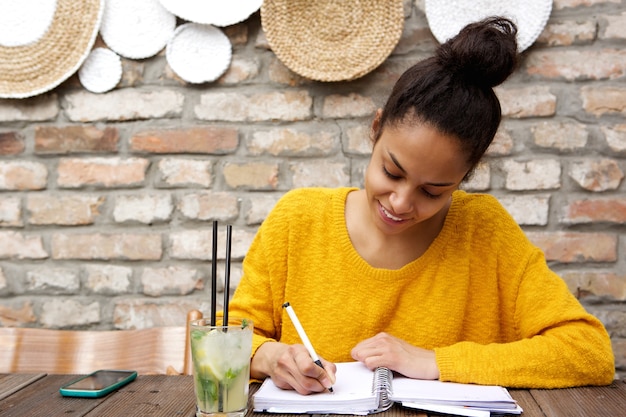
[(434, 253)]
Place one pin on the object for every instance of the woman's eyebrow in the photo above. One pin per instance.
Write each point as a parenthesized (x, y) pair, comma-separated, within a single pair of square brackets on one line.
[(432, 184), (395, 161)]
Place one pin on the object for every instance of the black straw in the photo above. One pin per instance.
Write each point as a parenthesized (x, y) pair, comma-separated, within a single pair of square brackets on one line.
[(214, 274), (229, 233)]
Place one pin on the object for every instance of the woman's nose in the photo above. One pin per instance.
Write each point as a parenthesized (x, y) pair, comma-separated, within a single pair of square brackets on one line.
[(401, 201)]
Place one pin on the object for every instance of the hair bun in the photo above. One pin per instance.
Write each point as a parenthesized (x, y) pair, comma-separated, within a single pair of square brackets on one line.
[(484, 53)]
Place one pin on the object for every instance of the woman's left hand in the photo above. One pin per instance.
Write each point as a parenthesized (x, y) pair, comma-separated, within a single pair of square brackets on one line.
[(396, 354)]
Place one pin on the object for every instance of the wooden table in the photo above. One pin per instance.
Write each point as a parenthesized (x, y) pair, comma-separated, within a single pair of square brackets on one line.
[(29, 395)]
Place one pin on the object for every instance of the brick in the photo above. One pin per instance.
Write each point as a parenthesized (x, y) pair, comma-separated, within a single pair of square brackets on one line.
[(596, 285), (619, 352), (64, 210), (143, 208), (192, 244), (357, 140), (64, 313), (75, 139), (338, 106), (577, 65), (34, 109), (528, 210), (102, 172), (17, 314), (415, 37), (122, 105), (564, 136), (568, 32), (357, 172), (179, 172), (479, 180), (108, 279), (317, 141), (22, 175), (221, 206), (173, 280), (251, 176), (11, 143), (96, 246), (169, 74), (319, 174), (594, 210), (601, 100), (543, 174), (596, 175), (239, 71), (197, 244), (132, 73), (572, 247), (261, 41), (237, 34), (613, 319), (280, 74), (15, 245), (615, 137), (52, 281), (519, 103), (202, 140), (615, 27), (566, 4), (10, 212), (142, 314), (237, 107), (259, 206), (236, 273), (386, 75), (502, 143)]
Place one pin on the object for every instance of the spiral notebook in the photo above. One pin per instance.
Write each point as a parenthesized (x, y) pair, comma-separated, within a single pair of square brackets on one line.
[(360, 391)]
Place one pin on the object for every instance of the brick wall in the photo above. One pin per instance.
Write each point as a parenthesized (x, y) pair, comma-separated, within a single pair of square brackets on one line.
[(106, 201)]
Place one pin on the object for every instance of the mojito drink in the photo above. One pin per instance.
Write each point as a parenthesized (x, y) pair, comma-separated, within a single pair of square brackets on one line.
[(221, 366)]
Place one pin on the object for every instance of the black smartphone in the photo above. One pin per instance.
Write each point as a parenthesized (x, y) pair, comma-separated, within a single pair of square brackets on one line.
[(98, 384)]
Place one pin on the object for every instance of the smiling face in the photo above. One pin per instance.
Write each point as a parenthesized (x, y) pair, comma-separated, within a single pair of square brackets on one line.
[(413, 171)]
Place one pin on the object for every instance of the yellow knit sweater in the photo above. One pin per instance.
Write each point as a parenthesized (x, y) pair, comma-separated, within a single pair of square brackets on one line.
[(481, 296)]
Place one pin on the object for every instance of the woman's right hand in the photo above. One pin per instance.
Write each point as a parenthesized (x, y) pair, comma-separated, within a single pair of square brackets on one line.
[(291, 367)]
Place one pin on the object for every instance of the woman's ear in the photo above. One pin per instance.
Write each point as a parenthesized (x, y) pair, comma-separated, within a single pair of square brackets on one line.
[(375, 133)]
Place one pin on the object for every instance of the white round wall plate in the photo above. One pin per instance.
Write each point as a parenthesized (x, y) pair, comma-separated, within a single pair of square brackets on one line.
[(101, 71), (446, 18), (198, 53)]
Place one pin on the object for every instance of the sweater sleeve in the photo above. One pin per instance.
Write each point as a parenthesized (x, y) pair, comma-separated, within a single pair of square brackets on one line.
[(556, 344), (257, 296)]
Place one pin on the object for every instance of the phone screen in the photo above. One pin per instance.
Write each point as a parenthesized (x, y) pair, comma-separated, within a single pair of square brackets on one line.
[(99, 380)]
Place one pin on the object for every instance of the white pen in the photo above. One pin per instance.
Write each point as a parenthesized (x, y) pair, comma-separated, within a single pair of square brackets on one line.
[(304, 337)]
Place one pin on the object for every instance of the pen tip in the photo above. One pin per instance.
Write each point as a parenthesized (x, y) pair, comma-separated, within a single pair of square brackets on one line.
[(331, 389), (286, 304)]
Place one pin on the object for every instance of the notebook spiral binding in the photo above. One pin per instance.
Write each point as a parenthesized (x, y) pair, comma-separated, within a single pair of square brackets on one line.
[(382, 386)]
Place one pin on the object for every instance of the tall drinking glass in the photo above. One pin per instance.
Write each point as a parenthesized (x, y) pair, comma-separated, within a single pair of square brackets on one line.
[(221, 366)]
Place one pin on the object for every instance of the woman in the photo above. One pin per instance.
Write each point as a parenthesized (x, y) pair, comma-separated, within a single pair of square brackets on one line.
[(411, 273)]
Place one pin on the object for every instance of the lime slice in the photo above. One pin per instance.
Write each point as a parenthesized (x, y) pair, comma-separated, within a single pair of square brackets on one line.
[(211, 368)]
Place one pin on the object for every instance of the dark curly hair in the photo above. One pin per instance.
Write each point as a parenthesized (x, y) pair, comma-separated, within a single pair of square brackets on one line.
[(453, 90)]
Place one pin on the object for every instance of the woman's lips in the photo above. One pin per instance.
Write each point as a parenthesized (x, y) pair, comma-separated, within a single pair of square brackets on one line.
[(388, 217)]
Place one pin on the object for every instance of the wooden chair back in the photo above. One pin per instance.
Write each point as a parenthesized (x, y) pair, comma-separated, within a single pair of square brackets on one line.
[(158, 350)]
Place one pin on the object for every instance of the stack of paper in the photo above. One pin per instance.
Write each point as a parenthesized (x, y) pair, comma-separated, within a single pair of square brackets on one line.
[(358, 391)]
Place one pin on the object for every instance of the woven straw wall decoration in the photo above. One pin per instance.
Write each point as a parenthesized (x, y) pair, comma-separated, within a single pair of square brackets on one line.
[(42, 64), (332, 40)]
